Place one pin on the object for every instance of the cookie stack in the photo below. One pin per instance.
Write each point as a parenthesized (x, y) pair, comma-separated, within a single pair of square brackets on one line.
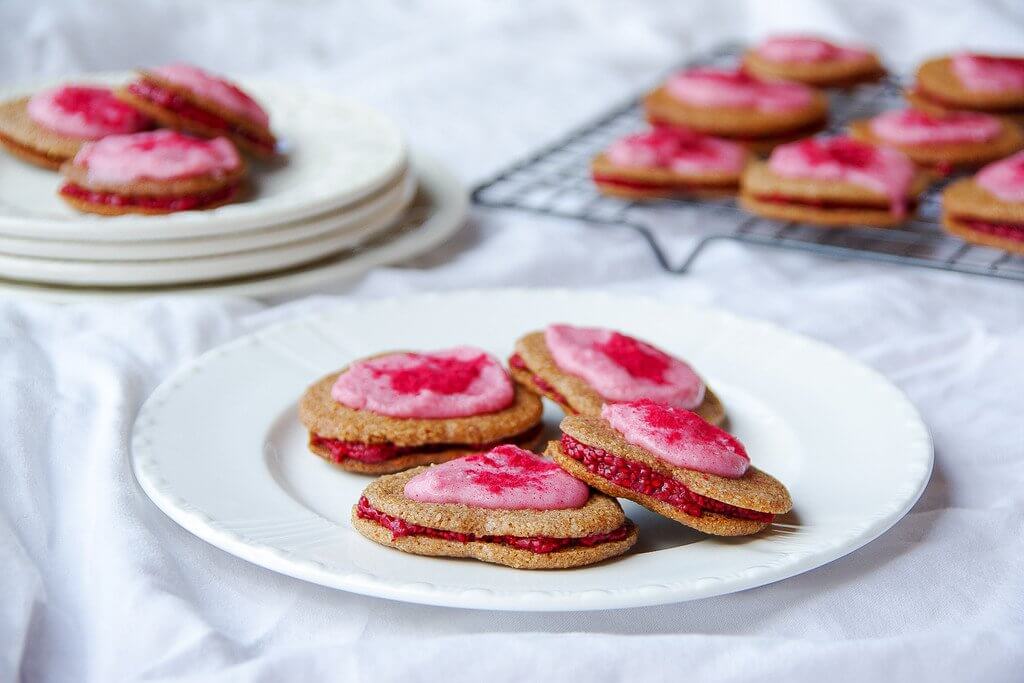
[(176, 177), (449, 432), (709, 125)]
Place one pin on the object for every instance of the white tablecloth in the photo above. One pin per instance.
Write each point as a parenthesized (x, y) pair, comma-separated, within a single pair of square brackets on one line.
[(97, 585)]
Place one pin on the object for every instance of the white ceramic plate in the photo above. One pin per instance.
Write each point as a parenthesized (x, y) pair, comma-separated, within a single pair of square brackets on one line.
[(392, 197), (337, 153), (437, 212), (230, 464)]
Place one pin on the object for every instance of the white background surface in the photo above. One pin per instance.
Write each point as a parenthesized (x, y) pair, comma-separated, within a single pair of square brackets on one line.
[(98, 585)]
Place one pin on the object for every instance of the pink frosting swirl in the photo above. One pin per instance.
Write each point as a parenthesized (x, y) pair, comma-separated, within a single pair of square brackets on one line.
[(678, 149), (807, 50), (456, 382), (913, 127), (504, 478), (157, 155), (879, 169), (621, 368), (678, 437), (215, 89), (985, 73), (736, 89), (1004, 179), (85, 112)]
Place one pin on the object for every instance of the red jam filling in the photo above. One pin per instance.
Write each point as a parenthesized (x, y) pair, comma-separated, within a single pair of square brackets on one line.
[(537, 544), (630, 355), (638, 477), (516, 361), (824, 203), (1010, 231), (169, 99), (435, 374), (162, 203), (614, 181), (379, 452)]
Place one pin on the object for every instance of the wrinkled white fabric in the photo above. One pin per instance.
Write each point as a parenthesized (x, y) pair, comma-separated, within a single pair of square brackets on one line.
[(98, 585)]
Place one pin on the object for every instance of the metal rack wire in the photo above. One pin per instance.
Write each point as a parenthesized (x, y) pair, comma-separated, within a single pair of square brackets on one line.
[(556, 181)]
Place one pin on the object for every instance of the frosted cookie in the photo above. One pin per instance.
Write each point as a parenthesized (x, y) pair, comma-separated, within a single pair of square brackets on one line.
[(152, 173), (988, 209), (184, 97), (398, 410), (942, 142), (973, 82), (733, 104), (50, 127), (834, 181), (813, 61), (506, 506), (672, 462), (582, 368), (667, 162)]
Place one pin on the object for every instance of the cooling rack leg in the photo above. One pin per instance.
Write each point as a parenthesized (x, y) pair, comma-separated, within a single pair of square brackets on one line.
[(692, 256)]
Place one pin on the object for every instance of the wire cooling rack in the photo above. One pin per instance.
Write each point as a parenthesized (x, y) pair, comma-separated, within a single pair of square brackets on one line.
[(556, 181)]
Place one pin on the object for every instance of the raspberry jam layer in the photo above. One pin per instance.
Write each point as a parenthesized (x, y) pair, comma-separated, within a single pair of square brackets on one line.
[(379, 452), (636, 476), (807, 50), (614, 181), (988, 73), (1009, 231), (85, 112), (159, 203), (169, 99), (914, 127), (737, 89), (678, 149), (827, 204), (536, 544), (1004, 178), (516, 361)]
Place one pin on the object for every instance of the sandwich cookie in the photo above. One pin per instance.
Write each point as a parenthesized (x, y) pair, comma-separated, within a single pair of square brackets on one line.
[(152, 173), (506, 506), (672, 462), (734, 104), (973, 82), (667, 162), (398, 410), (582, 368), (988, 209), (942, 142), (185, 97), (834, 182), (813, 61), (50, 127)]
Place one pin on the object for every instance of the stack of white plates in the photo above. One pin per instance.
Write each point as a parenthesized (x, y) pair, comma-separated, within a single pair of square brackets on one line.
[(348, 195)]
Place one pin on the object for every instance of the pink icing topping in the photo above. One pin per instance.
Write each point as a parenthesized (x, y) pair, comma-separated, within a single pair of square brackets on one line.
[(621, 368), (158, 155), (879, 169), (989, 74), (678, 437), (737, 89), (218, 90), (678, 149), (1004, 179), (85, 112), (913, 127), (455, 382), (504, 478), (806, 49)]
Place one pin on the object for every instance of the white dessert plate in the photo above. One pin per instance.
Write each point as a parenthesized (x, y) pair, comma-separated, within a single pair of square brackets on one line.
[(390, 200), (230, 464), (437, 212), (337, 152)]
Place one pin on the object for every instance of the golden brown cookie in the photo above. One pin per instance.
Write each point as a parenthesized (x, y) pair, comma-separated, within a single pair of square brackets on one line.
[(591, 450), (942, 158), (974, 214), (843, 73), (342, 434), (653, 183), (937, 88), (821, 202), (519, 538), (759, 130), (533, 367), (178, 107)]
